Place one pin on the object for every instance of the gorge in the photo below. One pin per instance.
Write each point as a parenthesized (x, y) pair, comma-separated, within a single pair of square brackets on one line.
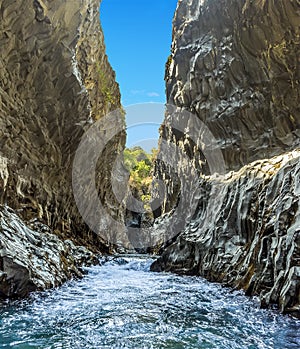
[(231, 131)]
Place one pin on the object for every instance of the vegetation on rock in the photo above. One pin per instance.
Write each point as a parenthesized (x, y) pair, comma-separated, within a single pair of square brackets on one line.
[(139, 164)]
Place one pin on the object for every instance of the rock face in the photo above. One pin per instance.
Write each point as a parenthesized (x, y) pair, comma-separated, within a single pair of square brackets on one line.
[(235, 66), (55, 81), (33, 258)]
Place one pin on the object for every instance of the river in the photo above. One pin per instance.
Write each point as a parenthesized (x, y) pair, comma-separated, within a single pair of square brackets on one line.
[(121, 304)]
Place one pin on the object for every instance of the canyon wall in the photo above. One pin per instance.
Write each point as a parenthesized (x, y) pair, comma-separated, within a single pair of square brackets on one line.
[(55, 82), (235, 67)]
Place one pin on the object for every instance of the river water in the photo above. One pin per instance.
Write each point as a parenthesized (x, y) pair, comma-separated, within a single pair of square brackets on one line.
[(121, 304)]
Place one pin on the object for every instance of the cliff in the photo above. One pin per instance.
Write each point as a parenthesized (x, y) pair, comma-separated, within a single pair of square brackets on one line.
[(235, 70), (55, 82), (235, 64)]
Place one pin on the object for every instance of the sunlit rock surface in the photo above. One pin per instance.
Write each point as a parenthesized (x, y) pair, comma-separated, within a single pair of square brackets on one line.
[(55, 81), (235, 65)]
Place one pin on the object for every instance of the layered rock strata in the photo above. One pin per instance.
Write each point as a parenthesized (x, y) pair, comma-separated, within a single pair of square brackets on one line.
[(235, 66), (55, 82)]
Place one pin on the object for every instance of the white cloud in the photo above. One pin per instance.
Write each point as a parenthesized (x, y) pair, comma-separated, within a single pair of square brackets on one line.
[(153, 94), (144, 93)]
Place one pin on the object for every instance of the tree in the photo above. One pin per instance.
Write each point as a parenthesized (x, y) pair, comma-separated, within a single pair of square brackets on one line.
[(139, 163)]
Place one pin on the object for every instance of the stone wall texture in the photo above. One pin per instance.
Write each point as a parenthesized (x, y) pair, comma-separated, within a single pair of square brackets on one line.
[(235, 66), (55, 82)]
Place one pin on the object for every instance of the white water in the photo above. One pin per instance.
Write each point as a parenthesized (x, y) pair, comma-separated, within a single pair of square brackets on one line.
[(121, 304)]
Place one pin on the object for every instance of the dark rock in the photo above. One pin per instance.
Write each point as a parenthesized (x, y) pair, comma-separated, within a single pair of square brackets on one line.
[(32, 260), (235, 64), (250, 237), (235, 67), (55, 82)]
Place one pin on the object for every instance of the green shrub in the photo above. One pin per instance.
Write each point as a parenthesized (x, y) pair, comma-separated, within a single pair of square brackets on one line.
[(104, 86), (139, 163)]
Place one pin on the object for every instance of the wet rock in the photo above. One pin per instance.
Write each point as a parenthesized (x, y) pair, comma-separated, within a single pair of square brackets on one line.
[(248, 235), (35, 259)]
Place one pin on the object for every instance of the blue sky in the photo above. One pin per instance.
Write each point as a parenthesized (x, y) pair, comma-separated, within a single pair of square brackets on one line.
[(138, 36)]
